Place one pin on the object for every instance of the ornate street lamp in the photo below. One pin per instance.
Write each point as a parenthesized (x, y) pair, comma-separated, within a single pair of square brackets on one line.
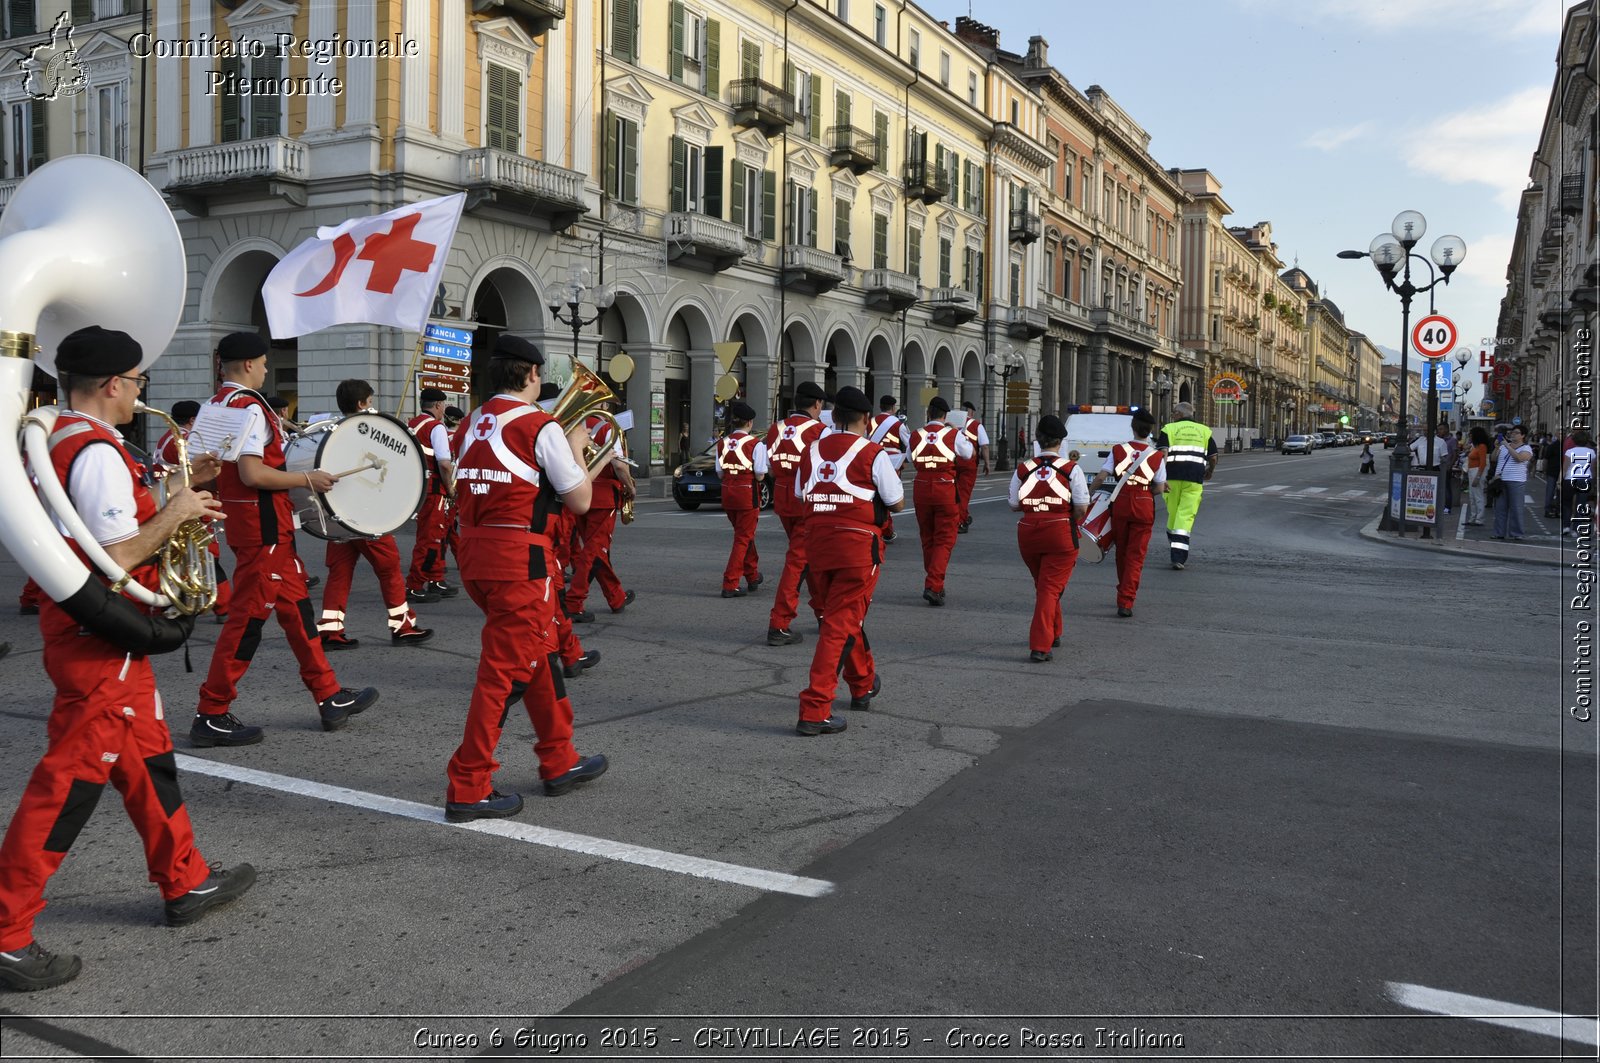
[(577, 290), (1004, 364)]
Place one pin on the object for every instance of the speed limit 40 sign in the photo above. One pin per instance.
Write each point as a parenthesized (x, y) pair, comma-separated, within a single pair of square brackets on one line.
[(1434, 336)]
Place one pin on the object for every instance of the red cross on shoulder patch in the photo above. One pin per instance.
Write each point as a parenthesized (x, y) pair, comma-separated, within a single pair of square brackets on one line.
[(827, 471), (484, 427)]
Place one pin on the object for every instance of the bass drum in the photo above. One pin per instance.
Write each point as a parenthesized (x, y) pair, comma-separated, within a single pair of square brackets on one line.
[(380, 470), (1094, 534)]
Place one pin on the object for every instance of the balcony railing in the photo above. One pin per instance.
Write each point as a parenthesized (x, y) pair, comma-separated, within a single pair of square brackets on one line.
[(853, 149), (722, 243), (1026, 322), (1571, 193), (890, 288), (926, 182), (538, 15), (537, 180), (760, 105), (219, 164), (953, 306), (806, 265), (6, 190), (1025, 227)]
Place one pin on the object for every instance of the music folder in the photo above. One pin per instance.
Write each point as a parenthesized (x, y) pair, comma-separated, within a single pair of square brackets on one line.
[(223, 430)]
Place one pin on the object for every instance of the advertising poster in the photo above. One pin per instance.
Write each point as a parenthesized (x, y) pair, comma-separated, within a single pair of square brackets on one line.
[(1422, 498)]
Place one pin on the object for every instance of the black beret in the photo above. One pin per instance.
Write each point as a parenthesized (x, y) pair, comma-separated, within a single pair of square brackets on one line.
[(277, 402), (969, 406), (241, 347), (549, 390), (187, 410), (809, 392), (431, 396), (455, 412), (938, 405), (888, 402), (94, 352), (1144, 416), (1050, 427), (741, 411), (852, 399), (509, 346)]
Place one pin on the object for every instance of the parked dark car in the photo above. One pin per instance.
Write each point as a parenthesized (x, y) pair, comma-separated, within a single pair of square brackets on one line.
[(695, 483), (1388, 440)]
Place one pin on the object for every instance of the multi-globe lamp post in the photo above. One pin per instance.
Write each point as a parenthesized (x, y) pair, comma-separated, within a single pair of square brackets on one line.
[(578, 288), (1391, 255)]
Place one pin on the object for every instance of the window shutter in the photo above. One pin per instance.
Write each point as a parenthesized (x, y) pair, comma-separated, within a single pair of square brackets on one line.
[(629, 161), (750, 59), (841, 107), (736, 194), (625, 30), (938, 158), (816, 108), (966, 268), (675, 58), (880, 241), (977, 192), (713, 58), (713, 182), (38, 135), (21, 21), (977, 287), (944, 263), (810, 197), (955, 178), (791, 223), (769, 205), (266, 112), (610, 155), (82, 12), (880, 129), (232, 127), (914, 253), (841, 228), (680, 175)]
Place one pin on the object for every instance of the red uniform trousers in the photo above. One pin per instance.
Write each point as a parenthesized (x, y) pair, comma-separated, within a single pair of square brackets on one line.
[(32, 594), (842, 643), (517, 661), (224, 585), (966, 480), (742, 559), (435, 521), (1132, 516), (267, 580), (937, 517), (383, 554), (1049, 552), (592, 560), (106, 724), (786, 602)]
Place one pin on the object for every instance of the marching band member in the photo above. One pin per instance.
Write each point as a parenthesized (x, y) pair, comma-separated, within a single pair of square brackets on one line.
[(1053, 498), (787, 442), (425, 583), (889, 431), (561, 529), (967, 468), (935, 449), (848, 483), (516, 469), (592, 559), (1191, 461), (382, 553), (1133, 511), (183, 414), (106, 723), (268, 576), (741, 463)]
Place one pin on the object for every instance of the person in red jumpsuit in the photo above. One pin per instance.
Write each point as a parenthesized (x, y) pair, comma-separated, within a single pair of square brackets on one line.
[(1052, 496), (382, 553), (1133, 511), (167, 453), (425, 582), (516, 469), (967, 467), (742, 465), (890, 431), (850, 486), (268, 578), (787, 442), (106, 723), (591, 559), (935, 449)]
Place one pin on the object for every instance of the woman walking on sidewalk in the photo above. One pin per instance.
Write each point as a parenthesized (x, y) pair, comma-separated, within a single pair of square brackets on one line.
[(1511, 468), (1477, 474)]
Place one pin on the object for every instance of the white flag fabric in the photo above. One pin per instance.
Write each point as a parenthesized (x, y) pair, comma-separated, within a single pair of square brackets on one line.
[(382, 270)]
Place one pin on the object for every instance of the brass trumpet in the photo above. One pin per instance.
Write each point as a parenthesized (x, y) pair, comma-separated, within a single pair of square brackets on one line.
[(584, 398), (188, 575)]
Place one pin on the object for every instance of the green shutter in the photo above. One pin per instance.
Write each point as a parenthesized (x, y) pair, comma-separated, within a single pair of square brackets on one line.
[(841, 227), (978, 193), (816, 108), (880, 241), (841, 107), (944, 263), (713, 57), (712, 182), (680, 175), (625, 30), (675, 57), (736, 194), (628, 156), (494, 117), (977, 286), (811, 217), (21, 23), (880, 130), (231, 126), (38, 135), (266, 111), (769, 204), (750, 60), (610, 155), (82, 12), (955, 179), (914, 253)]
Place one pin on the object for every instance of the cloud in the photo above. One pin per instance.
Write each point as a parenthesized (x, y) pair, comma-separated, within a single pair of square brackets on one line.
[(1333, 139), (1487, 256), (1500, 18), (1492, 144)]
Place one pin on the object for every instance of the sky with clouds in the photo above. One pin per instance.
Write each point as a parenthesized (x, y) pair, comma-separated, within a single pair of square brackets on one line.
[(1327, 118)]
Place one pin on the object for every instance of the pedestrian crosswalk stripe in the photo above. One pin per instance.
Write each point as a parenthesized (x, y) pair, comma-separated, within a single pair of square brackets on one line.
[(1274, 487), (1580, 1029), (1311, 490), (1353, 494), (1228, 487)]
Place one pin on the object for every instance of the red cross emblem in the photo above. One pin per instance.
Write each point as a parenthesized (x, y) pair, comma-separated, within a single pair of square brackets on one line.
[(392, 254), (484, 428), (827, 471), (788, 431), (1046, 472)]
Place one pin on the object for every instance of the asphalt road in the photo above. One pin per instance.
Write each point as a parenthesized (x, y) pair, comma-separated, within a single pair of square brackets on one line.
[(1311, 772)]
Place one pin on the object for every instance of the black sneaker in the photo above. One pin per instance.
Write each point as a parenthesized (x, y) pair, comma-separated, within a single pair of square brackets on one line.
[(443, 589), (627, 600), (1040, 656), (1123, 610), (782, 636), (889, 537), (337, 710), (223, 730), (312, 581), (752, 584), (338, 640), (865, 701), (426, 596), (220, 887), (585, 617), (737, 592), (496, 806), (587, 768), (35, 967), (831, 726), (933, 597), (414, 636), (28, 610), (589, 659)]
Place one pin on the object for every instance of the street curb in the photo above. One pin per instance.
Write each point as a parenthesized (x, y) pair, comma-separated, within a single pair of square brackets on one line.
[(1370, 531)]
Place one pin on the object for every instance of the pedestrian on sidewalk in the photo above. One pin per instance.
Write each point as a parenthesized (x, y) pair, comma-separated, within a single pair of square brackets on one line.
[(1511, 465), (1445, 451), (1477, 474), (1552, 467), (1577, 483), (1368, 463)]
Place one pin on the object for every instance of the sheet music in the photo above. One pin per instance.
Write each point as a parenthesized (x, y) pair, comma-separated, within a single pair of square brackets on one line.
[(625, 420), (956, 418), (222, 430)]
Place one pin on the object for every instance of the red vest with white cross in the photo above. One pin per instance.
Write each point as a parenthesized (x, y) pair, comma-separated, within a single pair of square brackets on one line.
[(1044, 486), (254, 518), (738, 455), (504, 501)]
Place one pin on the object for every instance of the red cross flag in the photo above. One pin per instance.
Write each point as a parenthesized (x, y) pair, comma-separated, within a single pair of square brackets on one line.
[(379, 271)]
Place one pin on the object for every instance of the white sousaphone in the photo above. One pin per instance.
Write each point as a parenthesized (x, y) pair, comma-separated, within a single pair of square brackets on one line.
[(84, 241)]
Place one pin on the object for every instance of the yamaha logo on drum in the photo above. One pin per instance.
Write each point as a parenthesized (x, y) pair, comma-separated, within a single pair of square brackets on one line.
[(396, 445)]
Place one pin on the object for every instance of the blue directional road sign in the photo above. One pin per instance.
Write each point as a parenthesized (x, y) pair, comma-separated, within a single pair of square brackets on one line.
[(1436, 376)]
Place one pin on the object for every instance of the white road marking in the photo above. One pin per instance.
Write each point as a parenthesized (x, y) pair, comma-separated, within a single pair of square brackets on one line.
[(1274, 487), (1311, 491), (1583, 1029), (771, 881), (1353, 494), (1227, 487)]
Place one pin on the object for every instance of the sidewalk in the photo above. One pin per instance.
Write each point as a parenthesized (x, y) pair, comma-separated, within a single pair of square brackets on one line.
[(1544, 544)]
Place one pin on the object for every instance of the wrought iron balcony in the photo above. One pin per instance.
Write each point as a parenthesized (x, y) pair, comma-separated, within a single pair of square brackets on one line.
[(537, 15), (276, 166), (1571, 193), (853, 149), (812, 269), (926, 182), (1026, 322), (953, 306), (528, 185), (1025, 227), (760, 105), (891, 290), (698, 238)]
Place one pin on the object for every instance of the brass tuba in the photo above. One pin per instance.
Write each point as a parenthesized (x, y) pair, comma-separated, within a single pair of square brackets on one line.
[(583, 399), (188, 573)]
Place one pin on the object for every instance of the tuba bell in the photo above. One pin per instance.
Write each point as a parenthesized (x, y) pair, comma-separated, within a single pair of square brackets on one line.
[(584, 398), (84, 241)]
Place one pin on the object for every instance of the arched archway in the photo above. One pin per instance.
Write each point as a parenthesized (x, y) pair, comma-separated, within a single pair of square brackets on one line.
[(944, 374), (691, 374), (627, 329), (231, 302), (913, 378), (881, 378), (843, 360), (504, 301), (972, 379)]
